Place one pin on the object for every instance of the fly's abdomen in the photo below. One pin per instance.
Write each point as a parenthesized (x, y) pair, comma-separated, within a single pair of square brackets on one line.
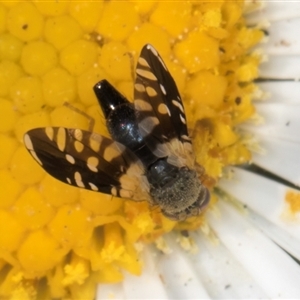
[(122, 122)]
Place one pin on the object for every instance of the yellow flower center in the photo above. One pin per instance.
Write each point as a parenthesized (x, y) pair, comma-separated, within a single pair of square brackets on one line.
[(58, 241)]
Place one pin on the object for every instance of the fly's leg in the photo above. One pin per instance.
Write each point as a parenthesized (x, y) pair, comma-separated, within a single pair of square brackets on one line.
[(132, 65), (90, 119)]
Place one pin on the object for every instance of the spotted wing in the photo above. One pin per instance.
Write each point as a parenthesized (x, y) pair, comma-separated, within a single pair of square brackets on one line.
[(157, 99), (81, 158)]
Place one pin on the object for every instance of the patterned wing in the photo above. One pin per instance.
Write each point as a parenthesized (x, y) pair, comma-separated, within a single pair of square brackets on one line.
[(157, 99), (82, 159)]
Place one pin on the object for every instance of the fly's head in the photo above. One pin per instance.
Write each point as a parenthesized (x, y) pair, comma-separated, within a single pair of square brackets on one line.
[(180, 195)]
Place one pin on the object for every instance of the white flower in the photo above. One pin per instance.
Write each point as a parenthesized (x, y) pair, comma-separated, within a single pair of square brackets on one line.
[(258, 238)]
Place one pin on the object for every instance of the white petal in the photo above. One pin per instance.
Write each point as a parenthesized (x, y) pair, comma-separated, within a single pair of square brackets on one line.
[(179, 275), (279, 135), (110, 291), (281, 67), (223, 276), (274, 11), (280, 121), (147, 286), (283, 91), (281, 157), (280, 236), (263, 196), (283, 38), (265, 261)]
